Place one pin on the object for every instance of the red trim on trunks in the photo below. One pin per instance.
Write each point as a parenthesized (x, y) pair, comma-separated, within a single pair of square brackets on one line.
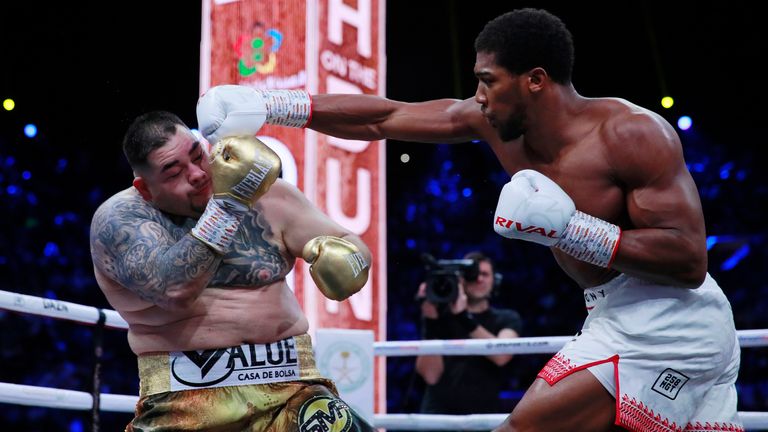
[(637, 416), (631, 414), (559, 367)]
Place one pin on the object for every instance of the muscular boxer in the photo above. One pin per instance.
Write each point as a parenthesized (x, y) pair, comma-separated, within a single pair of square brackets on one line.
[(603, 183), (194, 256)]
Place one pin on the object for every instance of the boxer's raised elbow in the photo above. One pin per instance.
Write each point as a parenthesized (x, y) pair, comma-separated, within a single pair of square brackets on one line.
[(694, 278), (694, 270)]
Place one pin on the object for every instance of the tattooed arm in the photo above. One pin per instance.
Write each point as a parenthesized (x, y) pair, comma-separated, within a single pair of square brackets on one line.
[(141, 249)]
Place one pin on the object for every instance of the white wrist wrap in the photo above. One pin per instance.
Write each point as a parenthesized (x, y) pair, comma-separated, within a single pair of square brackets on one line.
[(292, 108), (217, 226), (590, 239)]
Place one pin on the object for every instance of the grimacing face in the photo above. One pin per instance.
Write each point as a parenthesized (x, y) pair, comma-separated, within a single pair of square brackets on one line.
[(500, 97), (178, 179)]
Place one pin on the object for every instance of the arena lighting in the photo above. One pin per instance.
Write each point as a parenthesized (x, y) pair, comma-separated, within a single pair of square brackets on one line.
[(711, 241), (9, 104), (76, 426), (737, 256), (433, 188), (667, 102), (684, 123), (30, 130), (725, 170), (61, 165), (51, 249)]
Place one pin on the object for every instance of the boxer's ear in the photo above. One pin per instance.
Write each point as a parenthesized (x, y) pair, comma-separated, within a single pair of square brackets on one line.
[(537, 78), (141, 186)]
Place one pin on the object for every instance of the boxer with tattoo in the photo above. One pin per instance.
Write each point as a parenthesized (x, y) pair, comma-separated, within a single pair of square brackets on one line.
[(194, 257)]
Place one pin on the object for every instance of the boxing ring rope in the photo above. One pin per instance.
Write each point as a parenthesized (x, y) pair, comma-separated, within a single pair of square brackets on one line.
[(78, 400), (53, 308)]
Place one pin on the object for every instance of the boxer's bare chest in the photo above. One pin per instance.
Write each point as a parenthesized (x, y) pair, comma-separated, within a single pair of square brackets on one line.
[(257, 257), (582, 170), (585, 174)]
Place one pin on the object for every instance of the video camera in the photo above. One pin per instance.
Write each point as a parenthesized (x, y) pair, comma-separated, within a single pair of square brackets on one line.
[(443, 277)]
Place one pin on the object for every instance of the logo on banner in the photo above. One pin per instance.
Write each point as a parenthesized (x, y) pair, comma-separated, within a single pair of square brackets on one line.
[(239, 365), (346, 364), (324, 414), (257, 52)]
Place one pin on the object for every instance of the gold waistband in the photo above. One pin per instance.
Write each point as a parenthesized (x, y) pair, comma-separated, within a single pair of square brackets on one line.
[(156, 369)]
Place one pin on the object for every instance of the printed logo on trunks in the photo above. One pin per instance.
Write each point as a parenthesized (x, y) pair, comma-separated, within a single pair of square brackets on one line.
[(669, 383), (239, 365), (324, 414)]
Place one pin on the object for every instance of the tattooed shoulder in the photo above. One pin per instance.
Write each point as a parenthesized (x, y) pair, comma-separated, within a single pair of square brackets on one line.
[(127, 210), (142, 249)]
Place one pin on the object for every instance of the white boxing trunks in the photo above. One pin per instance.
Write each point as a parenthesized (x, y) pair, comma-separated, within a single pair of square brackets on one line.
[(668, 355)]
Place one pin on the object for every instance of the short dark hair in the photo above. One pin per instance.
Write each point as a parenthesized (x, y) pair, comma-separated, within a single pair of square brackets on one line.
[(479, 257), (148, 132), (528, 38)]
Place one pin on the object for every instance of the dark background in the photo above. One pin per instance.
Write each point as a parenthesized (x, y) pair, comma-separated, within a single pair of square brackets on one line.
[(81, 71)]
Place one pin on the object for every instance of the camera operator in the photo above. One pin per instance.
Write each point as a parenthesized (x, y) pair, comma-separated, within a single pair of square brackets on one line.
[(465, 384)]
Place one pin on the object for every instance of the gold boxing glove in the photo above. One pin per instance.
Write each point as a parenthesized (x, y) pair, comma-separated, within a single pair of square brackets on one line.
[(242, 169), (337, 266)]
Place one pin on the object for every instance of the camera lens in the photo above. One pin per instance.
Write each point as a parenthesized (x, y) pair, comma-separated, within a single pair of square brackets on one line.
[(442, 287)]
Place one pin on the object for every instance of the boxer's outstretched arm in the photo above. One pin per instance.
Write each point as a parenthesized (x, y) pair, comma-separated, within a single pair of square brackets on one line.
[(368, 117), (667, 242), (129, 246)]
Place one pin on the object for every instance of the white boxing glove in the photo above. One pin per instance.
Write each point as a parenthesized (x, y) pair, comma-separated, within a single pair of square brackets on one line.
[(232, 110), (534, 208)]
